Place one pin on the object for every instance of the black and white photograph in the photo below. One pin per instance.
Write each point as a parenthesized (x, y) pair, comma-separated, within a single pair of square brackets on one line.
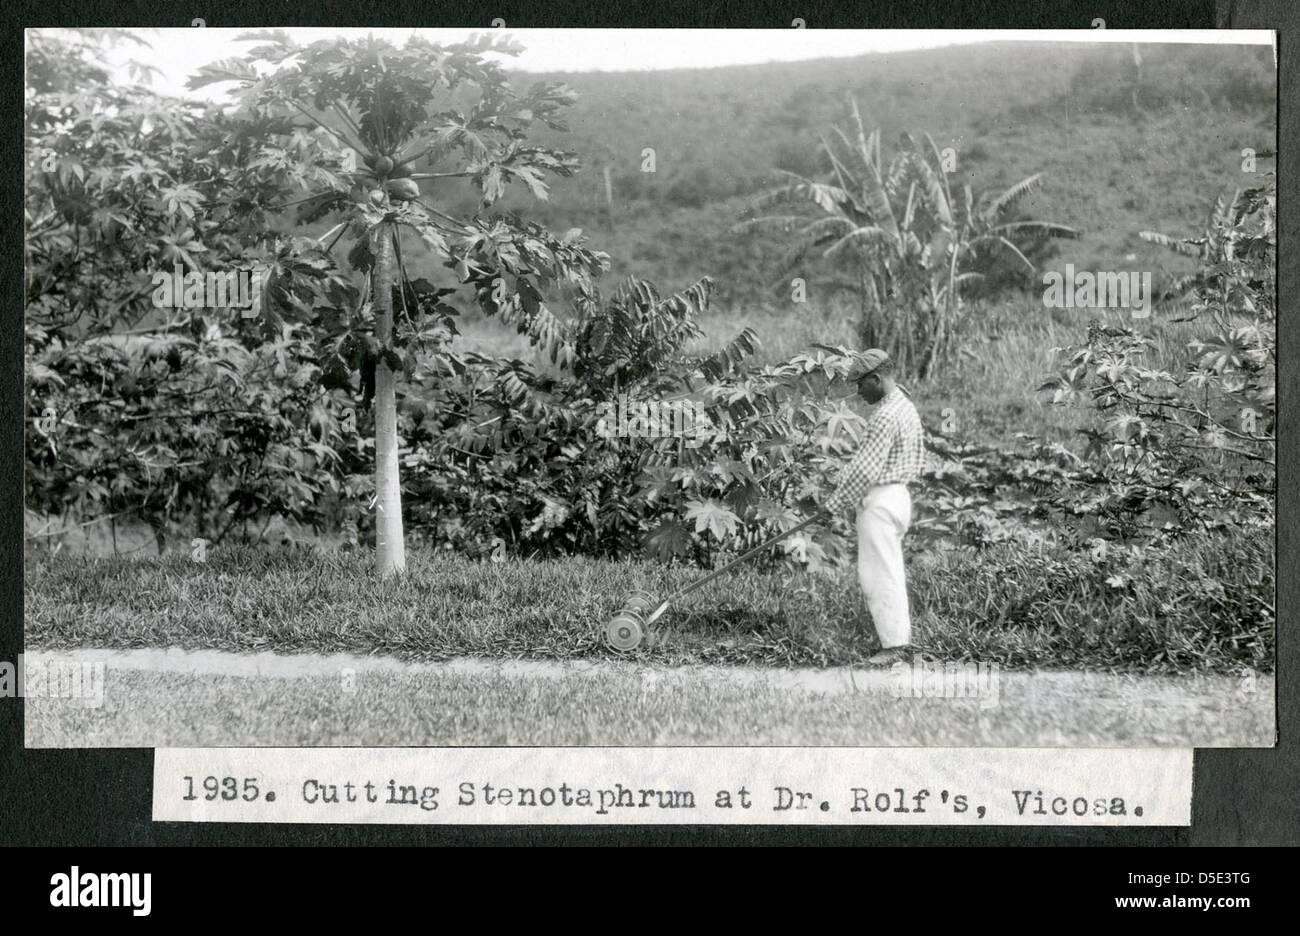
[(647, 388)]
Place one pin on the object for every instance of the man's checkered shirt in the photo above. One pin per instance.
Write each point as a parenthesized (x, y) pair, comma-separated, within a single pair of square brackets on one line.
[(892, 451)]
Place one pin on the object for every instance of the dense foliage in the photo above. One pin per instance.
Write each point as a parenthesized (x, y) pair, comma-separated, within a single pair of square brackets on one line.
[(154, 413), (1202, 442)]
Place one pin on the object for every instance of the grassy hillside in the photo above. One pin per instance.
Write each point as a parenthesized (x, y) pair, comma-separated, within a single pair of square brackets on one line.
[(1008, 109), (1122, 150)]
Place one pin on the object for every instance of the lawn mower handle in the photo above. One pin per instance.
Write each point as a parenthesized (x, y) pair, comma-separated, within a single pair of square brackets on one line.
[(734, 562)]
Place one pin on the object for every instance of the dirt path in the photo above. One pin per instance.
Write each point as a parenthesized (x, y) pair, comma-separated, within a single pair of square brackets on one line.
[(207, 697)]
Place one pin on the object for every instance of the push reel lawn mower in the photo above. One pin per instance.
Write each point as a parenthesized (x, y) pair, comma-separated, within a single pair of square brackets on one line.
[(639, 609)]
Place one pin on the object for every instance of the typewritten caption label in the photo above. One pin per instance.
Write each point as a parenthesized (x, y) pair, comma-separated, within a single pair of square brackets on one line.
[(804, 786)]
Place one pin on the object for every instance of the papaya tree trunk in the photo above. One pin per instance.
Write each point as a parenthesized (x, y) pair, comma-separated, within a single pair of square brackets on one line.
[(390, 550)]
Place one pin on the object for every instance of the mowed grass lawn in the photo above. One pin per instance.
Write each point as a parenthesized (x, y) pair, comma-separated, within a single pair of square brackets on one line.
[(1202, 606), (1162, 662), (625, 704)]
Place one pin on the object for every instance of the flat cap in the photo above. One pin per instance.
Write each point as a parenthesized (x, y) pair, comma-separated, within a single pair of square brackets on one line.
[(864, 362)]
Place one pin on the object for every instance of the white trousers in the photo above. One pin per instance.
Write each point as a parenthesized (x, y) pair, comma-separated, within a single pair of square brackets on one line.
[(883, 517)]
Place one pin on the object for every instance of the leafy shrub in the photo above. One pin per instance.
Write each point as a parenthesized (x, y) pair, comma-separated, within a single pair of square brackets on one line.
[(160, 414), (1203, 441)]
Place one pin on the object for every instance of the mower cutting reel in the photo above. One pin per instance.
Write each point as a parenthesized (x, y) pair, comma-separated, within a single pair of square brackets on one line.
[(642, 602)]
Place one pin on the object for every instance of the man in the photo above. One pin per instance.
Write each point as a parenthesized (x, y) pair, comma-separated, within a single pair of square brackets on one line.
[(874, 483)]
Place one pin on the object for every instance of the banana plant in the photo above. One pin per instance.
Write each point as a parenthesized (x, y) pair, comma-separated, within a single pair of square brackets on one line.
[(1223, 250), (909, 243)]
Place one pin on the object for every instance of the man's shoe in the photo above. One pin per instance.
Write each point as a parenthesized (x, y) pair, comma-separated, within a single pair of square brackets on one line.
[(891, 655)]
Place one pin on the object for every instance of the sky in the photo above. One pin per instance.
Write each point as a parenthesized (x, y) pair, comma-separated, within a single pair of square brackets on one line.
[(177, 52)]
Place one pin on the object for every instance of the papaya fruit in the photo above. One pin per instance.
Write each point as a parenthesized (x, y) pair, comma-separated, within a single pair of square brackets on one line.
[(402, 189)]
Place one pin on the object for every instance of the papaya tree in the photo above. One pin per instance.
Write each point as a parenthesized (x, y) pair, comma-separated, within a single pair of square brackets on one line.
[(399, 121)]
